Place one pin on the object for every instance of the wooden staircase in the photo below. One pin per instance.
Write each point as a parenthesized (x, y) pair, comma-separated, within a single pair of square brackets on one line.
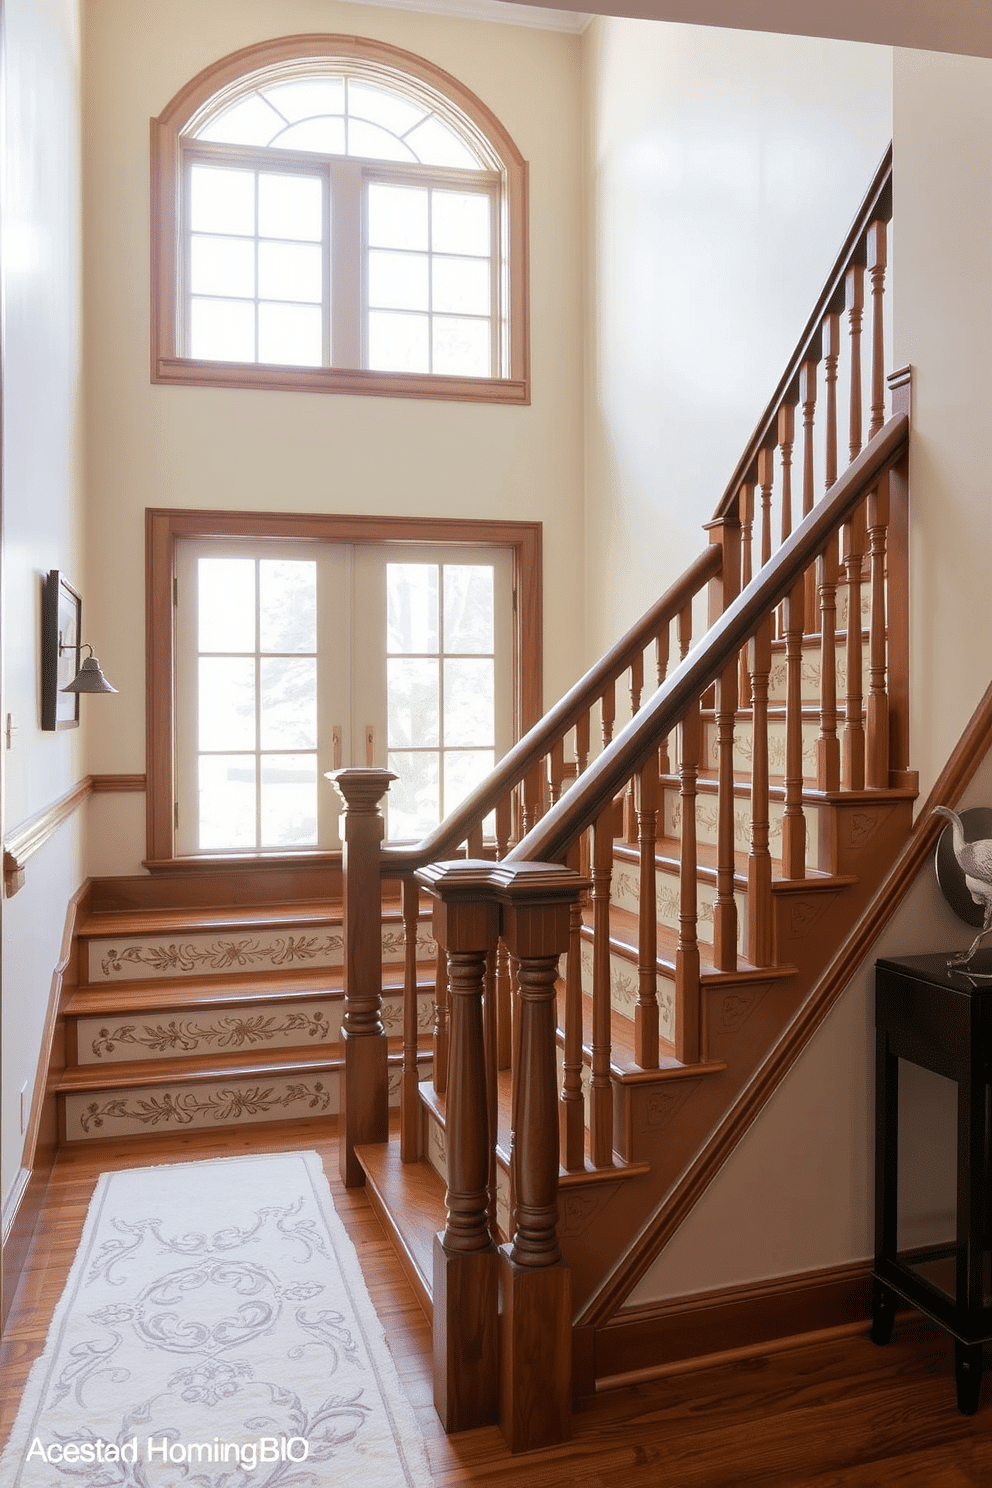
[(681, 847)]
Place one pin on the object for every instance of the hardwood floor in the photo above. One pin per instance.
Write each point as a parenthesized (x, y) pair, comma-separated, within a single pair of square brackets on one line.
[(838, 1411)]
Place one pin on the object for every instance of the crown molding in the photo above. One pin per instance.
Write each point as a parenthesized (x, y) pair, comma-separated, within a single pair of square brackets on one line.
[(503, 12)]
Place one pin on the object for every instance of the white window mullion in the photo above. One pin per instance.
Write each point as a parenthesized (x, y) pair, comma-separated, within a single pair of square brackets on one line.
[(347, 253)]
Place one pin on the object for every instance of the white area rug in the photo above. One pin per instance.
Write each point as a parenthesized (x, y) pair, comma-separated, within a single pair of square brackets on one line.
[(215, 1332)]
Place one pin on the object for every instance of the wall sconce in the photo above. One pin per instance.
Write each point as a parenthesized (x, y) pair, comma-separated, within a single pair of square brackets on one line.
[(89, 678), (64, 674)]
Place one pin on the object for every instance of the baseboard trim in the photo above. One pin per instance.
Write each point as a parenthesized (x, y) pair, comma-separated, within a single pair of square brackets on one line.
[(709, 1327), (23, 1204)]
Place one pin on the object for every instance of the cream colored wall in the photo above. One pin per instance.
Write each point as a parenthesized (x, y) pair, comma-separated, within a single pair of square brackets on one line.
[(943, 326), (42, 443), (152, 446), (723, 170)]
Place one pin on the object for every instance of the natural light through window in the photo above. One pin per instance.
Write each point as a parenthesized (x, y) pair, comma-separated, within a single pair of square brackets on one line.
[(350, 223)]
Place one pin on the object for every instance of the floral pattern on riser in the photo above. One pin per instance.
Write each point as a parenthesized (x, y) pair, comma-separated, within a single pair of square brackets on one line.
[(175, 1033), (139, 959)]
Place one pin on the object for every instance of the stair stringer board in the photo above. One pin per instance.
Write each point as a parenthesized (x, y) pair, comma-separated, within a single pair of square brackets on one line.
[(745, 1020)]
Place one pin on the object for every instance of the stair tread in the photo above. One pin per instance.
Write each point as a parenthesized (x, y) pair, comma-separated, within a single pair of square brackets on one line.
[(104, 923), (410, 1200), (126, 998), (242, 1064)]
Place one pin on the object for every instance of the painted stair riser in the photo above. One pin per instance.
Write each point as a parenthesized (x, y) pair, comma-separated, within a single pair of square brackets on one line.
[(626, 888), (810, 674), (744, 749), (707, 823), (204, 1105), (623, 989), (199, 953), (178, 1033)]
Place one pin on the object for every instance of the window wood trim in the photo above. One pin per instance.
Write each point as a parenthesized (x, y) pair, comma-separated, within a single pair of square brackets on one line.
[(165, 527), (167, 366)]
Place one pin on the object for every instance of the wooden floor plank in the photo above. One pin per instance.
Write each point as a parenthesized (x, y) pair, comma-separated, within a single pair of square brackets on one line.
[(834, 1414)]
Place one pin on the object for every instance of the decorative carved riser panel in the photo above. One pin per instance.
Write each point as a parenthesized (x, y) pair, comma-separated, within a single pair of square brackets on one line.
[(707, 822), (140, 958), (811, 671), (623, 990), (776, 748), (194, 1106), (178, 1033), (626, 888)]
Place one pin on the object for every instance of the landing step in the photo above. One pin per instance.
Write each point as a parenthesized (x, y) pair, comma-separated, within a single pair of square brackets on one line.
[(409, 1201)]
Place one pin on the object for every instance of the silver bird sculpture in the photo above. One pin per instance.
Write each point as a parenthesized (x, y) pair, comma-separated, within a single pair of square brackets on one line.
[(975, 861)]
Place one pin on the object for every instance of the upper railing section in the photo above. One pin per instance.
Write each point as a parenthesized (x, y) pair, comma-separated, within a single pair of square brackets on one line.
[(829, 400)]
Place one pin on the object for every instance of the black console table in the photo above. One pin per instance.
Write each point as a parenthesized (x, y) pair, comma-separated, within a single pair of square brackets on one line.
[(941, 1020)]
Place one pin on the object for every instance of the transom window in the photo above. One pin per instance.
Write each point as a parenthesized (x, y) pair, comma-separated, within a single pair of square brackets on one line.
[(335, 220)]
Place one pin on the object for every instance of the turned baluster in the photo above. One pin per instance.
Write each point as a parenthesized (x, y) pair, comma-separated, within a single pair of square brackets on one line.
[(897, 607), (646, 1010), (440, 1061), (608, 712), (793, 820), (364, 1086), (877, 263), (828, 744), (878, 698), (766, 480), (807, 400), (466, 1279), (600, 1085), (636, 681), (535, 1290), (685, 630), (725, 905), (556, 770), (663, 648), (473, 842), (747, 566), (582, 732), (831, 355), (533, 793), (854, 303), (409, 1098), (759, 864), (786, 439), (687, 954), (853, 740), (572, 1114), (504, 1006)]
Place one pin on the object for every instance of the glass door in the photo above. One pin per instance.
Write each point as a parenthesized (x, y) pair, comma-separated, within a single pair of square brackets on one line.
[(295, 659)]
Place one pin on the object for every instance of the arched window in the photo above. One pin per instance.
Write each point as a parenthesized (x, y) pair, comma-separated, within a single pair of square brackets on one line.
[(334, 214)]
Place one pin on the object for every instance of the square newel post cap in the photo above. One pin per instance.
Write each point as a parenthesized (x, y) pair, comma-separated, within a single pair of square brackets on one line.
[(536, 901), (361, 789), (466, 915)]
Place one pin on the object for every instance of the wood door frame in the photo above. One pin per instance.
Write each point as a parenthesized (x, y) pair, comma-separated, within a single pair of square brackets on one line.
[(164, 527)]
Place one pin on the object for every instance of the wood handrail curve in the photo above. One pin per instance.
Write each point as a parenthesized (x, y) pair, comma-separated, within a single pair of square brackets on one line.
[(877, 205), (532, 748), (607, 774)]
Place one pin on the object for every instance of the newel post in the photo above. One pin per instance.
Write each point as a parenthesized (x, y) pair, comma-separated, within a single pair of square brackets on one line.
[(535, 1283), (466, 1299), (364, 1098)]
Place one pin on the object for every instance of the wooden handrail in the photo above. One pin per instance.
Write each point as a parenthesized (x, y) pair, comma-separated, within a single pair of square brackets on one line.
[(876, 206), (549, 838), (532, 748)]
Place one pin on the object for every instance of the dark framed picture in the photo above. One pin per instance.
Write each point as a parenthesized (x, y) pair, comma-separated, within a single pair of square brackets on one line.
[(61, 628)]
